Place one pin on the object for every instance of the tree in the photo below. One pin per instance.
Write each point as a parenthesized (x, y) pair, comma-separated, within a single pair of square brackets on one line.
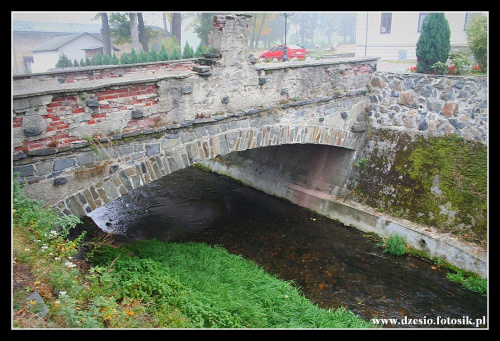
[(134, 32), (133, 57), (115, 60), (477, 38), (143, 57), (175, 54), (187, 51), (163, 54), (165, 26), (153, 55), (261, 26), (97, 59), (63, 61), (142, 33), (203, 27), (433, 45), (176, 26), (105, 34)]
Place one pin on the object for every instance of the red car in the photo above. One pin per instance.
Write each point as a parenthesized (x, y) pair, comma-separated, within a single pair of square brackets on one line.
[(277, 52)]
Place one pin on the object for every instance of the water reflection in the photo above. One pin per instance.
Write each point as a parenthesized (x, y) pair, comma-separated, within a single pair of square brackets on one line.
[(333, 264)]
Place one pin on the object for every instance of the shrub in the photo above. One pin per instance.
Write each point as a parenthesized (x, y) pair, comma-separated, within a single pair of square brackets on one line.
[(477, 37), (175, 54), (188, 51), (433, 44), (63, 61)]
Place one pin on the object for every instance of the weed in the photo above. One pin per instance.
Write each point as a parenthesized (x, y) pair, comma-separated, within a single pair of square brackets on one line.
[(361, 162), (396, 245)]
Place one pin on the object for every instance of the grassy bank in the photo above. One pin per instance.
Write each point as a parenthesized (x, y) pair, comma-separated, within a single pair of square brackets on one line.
[(145, 284)]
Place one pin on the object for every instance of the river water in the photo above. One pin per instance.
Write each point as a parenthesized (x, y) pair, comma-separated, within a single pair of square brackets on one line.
[(334, 265)]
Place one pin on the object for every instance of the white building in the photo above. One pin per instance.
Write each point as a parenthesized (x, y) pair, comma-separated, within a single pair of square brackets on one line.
[(74, 46), (394, 35)]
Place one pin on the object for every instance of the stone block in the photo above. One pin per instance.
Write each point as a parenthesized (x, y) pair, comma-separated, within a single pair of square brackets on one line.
[(152, 149), (62, 164), (201, 68)]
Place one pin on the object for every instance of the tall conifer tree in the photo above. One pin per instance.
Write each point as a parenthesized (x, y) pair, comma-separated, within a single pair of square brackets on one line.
[(433, 45)]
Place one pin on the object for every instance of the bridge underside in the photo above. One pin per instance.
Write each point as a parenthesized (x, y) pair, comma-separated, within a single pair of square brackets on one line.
[(122, 170)]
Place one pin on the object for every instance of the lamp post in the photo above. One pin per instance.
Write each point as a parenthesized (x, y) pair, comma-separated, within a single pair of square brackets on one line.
[(286, 15)]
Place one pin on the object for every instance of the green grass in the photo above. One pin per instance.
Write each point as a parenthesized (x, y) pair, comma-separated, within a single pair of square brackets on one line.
[(469, 281), (396, 245), (212, 288)]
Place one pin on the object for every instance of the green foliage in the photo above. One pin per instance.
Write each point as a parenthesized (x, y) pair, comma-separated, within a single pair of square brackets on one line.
[(153, 56), (175, 54), (115, 60), (211, 288), (163, 53), (97, 59), (142, 57), (45, 224), (477, 37), (199, 51), (461, 62), (63, 61), (433, 44), (469, 281), (361, 162), (396, 245), (124, 59), (133, 57), (187, 51), (439, 68)]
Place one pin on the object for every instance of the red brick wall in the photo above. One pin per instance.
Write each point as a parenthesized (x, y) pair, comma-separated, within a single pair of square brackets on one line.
[(62, 110)]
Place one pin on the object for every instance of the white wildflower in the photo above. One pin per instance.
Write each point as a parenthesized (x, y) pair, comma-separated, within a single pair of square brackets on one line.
[(69, 264)]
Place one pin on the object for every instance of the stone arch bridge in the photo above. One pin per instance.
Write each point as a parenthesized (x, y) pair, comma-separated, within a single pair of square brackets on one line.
[(82, 138)]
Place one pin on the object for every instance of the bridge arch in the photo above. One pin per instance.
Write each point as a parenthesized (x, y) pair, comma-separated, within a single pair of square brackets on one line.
[(173, 152)]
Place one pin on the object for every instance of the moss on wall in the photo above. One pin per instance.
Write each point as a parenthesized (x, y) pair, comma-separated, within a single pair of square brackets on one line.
[(434, 181)]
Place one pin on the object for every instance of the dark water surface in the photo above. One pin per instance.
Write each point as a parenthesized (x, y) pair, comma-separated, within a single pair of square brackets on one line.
[(334, 265)]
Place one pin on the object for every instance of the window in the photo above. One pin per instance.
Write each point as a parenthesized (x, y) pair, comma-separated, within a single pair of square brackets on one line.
[(421, 19), (385, 22)]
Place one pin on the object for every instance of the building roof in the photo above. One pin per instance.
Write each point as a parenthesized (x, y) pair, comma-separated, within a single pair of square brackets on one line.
[(56, 43), (54, 27)]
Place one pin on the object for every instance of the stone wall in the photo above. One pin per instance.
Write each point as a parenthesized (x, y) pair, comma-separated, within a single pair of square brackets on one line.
[(436, 105), (55, 119), (33, 82)]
